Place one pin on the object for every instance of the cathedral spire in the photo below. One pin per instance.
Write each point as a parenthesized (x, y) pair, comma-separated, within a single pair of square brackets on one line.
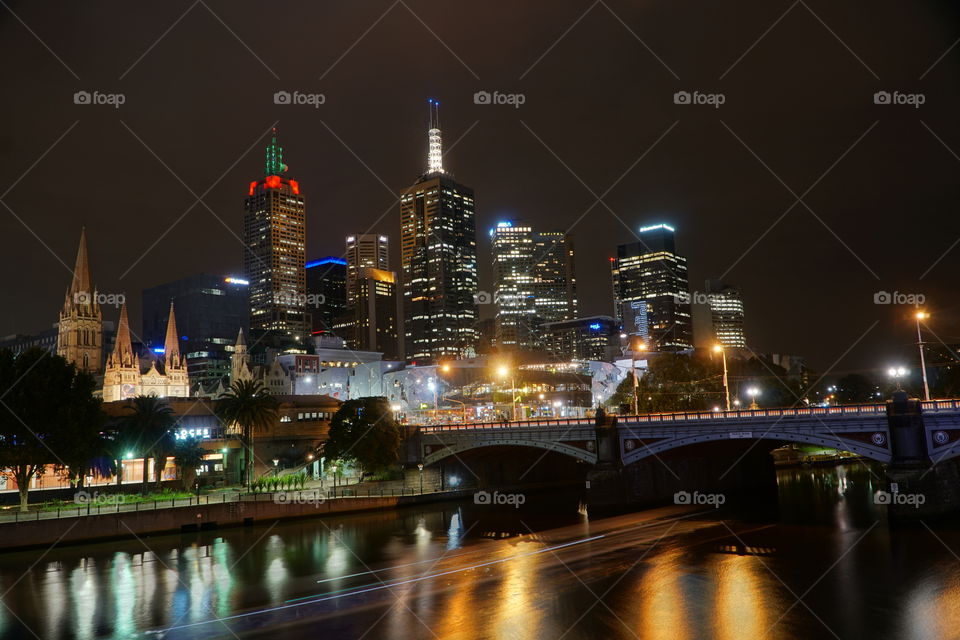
[(171, 344), (123, 347), (273, 165), (435, 147), (80, 286)]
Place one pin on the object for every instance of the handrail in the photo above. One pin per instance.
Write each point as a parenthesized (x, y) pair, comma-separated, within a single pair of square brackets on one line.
[(688, 416)]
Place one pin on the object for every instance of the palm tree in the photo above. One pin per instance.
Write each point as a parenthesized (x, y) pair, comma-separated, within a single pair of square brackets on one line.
[(188, 454), (248, 405), (150, 422)]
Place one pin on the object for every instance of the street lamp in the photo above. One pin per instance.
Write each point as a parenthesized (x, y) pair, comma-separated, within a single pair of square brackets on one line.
[(896, 373), (420, 468), (433, 387), (753, 392), (504, 372), (922, 315), (638, 345), (717, 348)]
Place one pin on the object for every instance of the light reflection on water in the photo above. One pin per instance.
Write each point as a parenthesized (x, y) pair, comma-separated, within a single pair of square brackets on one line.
[(677, 589)]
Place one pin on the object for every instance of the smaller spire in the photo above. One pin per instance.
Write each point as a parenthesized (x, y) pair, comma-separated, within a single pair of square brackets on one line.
[(435, 145), (273, 165), (171, 344), (123, 347), (241, 341)]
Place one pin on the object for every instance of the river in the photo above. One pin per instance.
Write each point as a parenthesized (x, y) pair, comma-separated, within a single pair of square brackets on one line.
[(820, 563)]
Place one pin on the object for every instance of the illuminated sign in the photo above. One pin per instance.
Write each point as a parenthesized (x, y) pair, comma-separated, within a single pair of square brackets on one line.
[(183, 434), (595, 326), (232, 280), (159, 350)]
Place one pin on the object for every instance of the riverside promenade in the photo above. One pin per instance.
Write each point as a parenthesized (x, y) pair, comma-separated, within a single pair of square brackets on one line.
[(95, 522)]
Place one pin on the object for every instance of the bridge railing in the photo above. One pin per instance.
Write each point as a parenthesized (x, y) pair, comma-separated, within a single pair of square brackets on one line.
[(931, 406)]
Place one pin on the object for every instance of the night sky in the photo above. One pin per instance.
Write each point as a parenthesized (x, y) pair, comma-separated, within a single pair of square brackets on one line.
[(879, 182)]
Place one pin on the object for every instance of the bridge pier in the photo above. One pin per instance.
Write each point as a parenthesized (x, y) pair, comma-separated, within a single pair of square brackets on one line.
[(917, 487)]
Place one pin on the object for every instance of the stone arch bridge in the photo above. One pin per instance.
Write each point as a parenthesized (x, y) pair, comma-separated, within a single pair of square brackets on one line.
[(924, 432)]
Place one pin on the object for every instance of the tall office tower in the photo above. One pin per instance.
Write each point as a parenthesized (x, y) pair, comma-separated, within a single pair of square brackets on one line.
[(555, 281), (650, 288), (364, 250), (375, 323), (438, 259), (326, 291), (726, 313), (210, 311), (274, 238), (513, 252), (533, 283), (80, 331)]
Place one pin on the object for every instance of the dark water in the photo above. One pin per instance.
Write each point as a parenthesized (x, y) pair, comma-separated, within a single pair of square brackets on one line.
[(825, 564)]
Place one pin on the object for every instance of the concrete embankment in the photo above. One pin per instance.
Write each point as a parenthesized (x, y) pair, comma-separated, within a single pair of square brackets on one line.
[(85, 528)]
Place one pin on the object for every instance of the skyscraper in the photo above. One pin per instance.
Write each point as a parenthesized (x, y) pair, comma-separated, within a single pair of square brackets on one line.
[(364, 250), (438, 259), (375, 325), (80, 331), (650, 284), (555, 281), (534, 283), (726, 313), (274, 237), (327, 285)]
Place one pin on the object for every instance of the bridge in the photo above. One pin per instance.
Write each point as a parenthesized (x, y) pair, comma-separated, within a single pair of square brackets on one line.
[(863, 429)]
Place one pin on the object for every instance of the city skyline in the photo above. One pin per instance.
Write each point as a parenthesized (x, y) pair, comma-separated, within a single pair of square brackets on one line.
[(699, 169)]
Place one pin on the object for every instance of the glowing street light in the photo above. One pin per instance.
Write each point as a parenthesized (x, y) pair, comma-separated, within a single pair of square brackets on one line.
[(504, 372), (636, 345), (753, 392), (922, 315), (896, 373), (717, 348)]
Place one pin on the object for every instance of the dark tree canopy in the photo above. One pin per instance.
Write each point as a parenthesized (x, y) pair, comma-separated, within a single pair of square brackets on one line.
[(364, 430)]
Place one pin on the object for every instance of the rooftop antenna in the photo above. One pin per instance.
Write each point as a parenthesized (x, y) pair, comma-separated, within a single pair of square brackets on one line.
[(435, 152)]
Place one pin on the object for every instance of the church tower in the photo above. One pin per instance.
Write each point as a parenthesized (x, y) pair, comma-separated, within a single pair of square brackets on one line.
[(80, 336), (175, 366), (240, 361), (121, 380)]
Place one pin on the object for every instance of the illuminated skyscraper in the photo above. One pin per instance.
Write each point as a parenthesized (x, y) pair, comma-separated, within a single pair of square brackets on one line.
[(650, 286), (375, 324), (274, 237), (726, 313), (365, 250), (438, 259), (533, 283), (327, 291)]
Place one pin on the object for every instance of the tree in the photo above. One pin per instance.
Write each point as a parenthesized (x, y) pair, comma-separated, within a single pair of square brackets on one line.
[(855, 388), (150, 422), (248, 405), (82, 443), (188, 454), (364, 430), (44, 397)]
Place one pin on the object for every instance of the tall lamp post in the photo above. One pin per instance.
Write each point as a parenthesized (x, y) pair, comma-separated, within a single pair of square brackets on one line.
[(922, 315), (717, 348), (635, 346)]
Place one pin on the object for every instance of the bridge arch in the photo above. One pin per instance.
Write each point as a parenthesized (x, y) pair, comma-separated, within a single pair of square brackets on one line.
[(879, 453), (460, 447)]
